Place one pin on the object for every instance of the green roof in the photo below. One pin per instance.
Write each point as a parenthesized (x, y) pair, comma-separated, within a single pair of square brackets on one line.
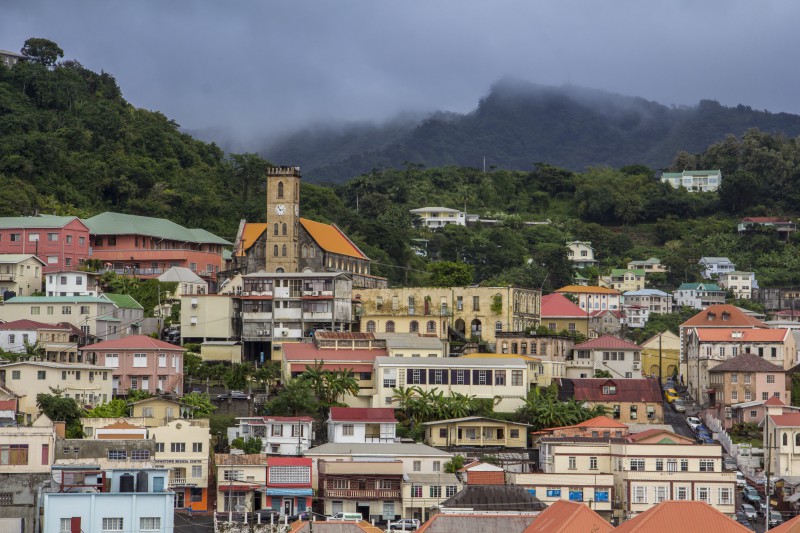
[(121, 224), (622, 271), (58, 300), (123, 301), (696, 286), (41, 221), (227, 255)]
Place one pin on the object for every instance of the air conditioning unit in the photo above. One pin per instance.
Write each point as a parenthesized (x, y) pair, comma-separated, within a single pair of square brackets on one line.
[(727, 412), (261, 332), (246, 293), (285, 333)]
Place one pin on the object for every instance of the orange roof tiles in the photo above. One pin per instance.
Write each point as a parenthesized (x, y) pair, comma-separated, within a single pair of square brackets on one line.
[(747, 335), (331, 239), (686, 516), (582, 289), (723, 315), (790, 526), (601, 422), (568, 517), (252, 231)]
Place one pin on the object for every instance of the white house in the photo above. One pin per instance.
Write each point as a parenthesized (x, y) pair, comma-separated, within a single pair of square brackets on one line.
[(362, 424), (438, 217), (741, 284), (581, 253), (72, 283), (638, 305), (715, 265), (698, 295), (280, 435), (612, 354), (694, 180)]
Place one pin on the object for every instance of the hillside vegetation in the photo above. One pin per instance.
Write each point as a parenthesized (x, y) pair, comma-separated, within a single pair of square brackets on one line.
[(520, 124), (71, 144)]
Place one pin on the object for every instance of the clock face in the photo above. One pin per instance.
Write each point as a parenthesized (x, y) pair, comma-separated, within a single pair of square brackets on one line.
[(280, 210), (296, 210)]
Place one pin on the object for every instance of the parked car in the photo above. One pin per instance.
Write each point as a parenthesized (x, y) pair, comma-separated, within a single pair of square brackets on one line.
[(234, 395), (729, 464), (740, 480), (742, 519), (404, 524), (751, 495), (775, 518), (693, 422), (678, 405), (670, 395), (749, 511), (668, 384), (705, 439), (343, 517)]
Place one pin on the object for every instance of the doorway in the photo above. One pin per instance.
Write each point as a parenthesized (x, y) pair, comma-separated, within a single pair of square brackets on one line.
[(288, 507)]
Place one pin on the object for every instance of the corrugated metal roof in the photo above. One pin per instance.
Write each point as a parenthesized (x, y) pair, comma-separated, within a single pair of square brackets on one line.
[(557, 305), (331, 239), (582, 289), (747, 362), (123, 301), (627, 390), (377, 449), (607, 342), (569, 517), (363, 414), (41, 221), (132, 342), (109, 223), (723, 315), (684, 516)]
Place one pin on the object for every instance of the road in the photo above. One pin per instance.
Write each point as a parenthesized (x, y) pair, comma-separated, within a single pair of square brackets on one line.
[(677, 421)]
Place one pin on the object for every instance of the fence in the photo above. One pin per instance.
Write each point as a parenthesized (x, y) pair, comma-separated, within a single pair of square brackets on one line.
[(748, 459)]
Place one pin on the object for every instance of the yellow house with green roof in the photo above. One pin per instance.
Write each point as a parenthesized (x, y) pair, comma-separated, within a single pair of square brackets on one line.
[(624, 279)]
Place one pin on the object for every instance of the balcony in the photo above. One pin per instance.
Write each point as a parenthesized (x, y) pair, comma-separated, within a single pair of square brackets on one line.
[(8, 277), (366, 494), (177, 481)]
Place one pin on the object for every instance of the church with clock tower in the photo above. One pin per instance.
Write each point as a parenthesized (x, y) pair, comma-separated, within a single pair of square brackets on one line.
[(287, 243)]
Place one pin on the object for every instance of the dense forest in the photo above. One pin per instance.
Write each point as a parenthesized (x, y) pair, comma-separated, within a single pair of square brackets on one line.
[(71, 144), (519, 124)]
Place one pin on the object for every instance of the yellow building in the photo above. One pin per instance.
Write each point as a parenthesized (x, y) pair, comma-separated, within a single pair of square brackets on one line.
[(183, 447), (475, 313), (666, 348), (240, 479), (548, 351), (475, 431), (156, 412), (206, 317)]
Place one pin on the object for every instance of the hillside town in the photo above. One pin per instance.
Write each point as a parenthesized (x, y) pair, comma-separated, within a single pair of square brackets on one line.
[(278, 385)]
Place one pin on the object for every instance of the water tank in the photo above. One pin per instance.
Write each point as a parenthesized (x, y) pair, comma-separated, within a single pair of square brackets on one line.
[(126, 483), (141, 481), (7, 295)]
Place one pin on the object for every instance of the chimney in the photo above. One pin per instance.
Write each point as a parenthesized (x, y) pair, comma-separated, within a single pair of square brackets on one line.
[(60, 429)]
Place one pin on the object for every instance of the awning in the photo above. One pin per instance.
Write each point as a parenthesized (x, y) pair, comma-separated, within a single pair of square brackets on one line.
[(793, 498), (227, 487), (334, 367), (290, 492)]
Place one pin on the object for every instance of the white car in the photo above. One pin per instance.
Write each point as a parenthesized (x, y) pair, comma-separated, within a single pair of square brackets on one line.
[(740, 479), (693, 422)]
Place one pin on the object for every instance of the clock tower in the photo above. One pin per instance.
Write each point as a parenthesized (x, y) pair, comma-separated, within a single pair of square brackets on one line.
[(283, 214)]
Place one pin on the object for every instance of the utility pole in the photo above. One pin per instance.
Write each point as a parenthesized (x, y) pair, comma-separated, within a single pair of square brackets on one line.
[(767, 494), (660, 376)]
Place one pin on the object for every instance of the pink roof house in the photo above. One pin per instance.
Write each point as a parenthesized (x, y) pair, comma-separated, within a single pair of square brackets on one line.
[(141, 363)]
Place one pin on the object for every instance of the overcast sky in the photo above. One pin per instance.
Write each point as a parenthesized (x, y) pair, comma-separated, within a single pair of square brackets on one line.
[(263, 67)]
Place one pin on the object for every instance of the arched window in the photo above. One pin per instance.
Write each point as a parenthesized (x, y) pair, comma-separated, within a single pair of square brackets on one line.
[(796, 439), (280, 189), (785, 439), (279, 270), (276, 229), (475, 328), (498, 326), (413, 327), (284, 228), (371, 326), (312, 251), (275, 250), (390, 326), (283, 250), (304, 251), (430, 327)]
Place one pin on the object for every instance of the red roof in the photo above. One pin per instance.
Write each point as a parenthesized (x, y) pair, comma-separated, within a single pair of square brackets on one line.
[(723, 315), (774, 401), (334, 367), (647, 433), (8, 405), (307, 351), (363, 414), (607, 342), (133, 342), (29, 325), (601, 422), (627, 390), (256, 420), (692, 516), (557, 305), (788, 420), (568, 517), (289, 461), (740, 335)]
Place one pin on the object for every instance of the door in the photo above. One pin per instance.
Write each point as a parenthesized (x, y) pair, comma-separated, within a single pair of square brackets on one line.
[(179, 499), (288, 507), (145, 383), (337, 507)]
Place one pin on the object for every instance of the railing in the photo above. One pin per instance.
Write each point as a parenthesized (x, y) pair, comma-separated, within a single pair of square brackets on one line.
[(380, 494), (8, 277), (177, 480)]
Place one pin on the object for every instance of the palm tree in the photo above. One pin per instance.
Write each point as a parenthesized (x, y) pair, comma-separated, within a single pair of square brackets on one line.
[(316, 375), (339, 384), (403, 395)]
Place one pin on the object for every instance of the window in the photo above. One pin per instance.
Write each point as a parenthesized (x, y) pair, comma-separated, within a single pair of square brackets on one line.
[(703, 494), (370, 326), (81, 241), (498, 326), (348, 430), (33, 237), (41, 374), (482, 377), (770, 378), (592, 463), (416, 491), (684, 465), (724, 496), (65, 524), (52, 259), (639, 494), (197, 471), (514, 433), (7, 498), (112, 360), (748, 395), (661, 494), (734, 378), (140, 455), (280, 189), (450, 490), (35, 310), (681, 493), (277, 430), (706, 465), (417, 466), (660, 465), (52, 237), (437, 466), (112, 524), (734, 395), (150, 523), (84, 309), (341, 484), (572, 463), (66, 310), (634, 411), (435, 491), (12, 337), (442, 433), (476, 303), (13, 454), (460, 377), (637, 465), (296, 430), (177, 447), (413, 327), (197, 447), (554, 493), (390, 326), (430, 327), (159, 447), (459, 303), (609, 389), (765, 396), (232, 475), (16, 237), (516, 378), (117, 455), (747, 379)]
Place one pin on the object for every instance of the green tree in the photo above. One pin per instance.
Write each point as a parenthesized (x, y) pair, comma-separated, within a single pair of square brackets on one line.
[(450, 274), (455, 464), (203, 408), (296, 398), (136, 395), (249, 446), (42, 51), (238, 376), (602, 374), (116, 408), (59, 408), (268, 374)]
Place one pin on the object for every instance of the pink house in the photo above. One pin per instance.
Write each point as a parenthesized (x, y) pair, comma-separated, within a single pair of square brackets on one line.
[(141, 363), (62, 243)]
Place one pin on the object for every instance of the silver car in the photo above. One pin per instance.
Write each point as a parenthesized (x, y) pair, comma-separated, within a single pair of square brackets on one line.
[(749, 511)]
